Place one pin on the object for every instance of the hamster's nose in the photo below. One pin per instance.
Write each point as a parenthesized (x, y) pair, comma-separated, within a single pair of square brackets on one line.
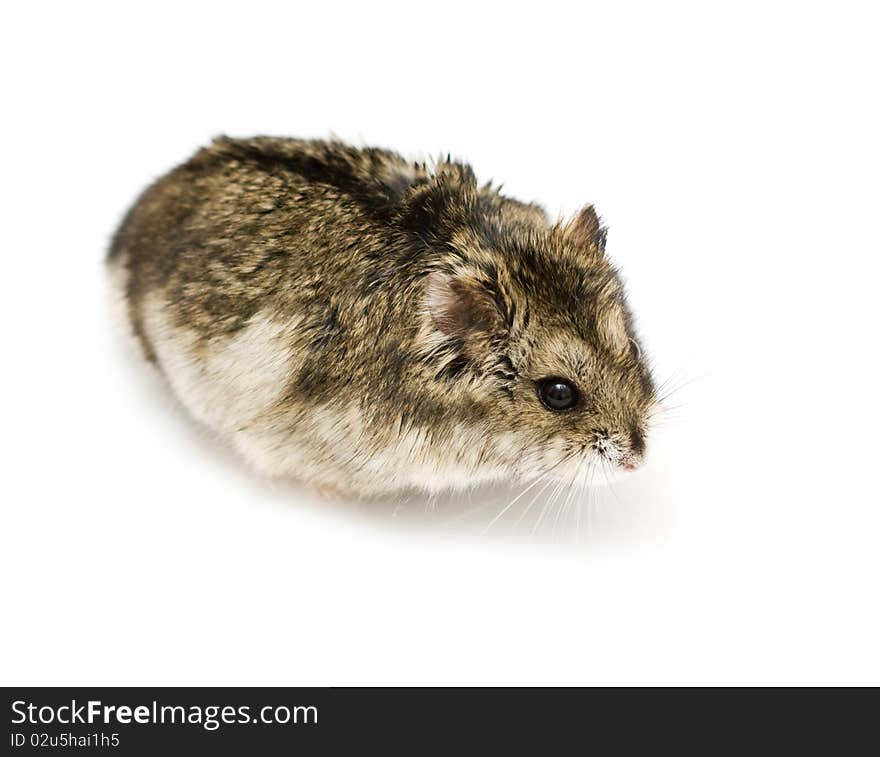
[(631, 462)]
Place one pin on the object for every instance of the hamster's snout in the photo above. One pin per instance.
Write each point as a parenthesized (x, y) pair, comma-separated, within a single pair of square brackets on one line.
[(629, 461), (632, 458), (628, 454)]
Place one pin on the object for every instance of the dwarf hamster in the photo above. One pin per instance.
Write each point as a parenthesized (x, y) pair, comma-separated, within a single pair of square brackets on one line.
[(367, 324)]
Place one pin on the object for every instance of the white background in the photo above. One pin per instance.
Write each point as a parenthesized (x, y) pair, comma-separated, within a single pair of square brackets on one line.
[(733, 153)]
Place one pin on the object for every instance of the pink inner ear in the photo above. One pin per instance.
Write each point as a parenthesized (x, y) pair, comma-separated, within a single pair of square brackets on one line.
[(458, 306)]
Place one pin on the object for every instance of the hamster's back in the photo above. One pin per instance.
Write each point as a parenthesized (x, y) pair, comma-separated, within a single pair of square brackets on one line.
[(262, 269), (219, 234)]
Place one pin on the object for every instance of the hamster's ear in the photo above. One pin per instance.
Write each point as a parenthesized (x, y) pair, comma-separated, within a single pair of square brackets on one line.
[(461, 307), (612, 327), (586, 231)]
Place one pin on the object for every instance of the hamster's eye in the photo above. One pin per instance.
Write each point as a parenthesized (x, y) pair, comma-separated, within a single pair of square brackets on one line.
[(557, 394)]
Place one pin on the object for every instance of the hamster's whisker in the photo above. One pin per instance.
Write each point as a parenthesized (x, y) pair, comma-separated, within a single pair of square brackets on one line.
[(584, 503), (581, 477), (668, 409), (431, 503), (534, 499), (550, 501), (516, 499), (466, 513), (544, 508), (566, 458), (677, 374), (672, 392), (606, 468), (667, 389), (574, 492), (584, 497), (563, 505)]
